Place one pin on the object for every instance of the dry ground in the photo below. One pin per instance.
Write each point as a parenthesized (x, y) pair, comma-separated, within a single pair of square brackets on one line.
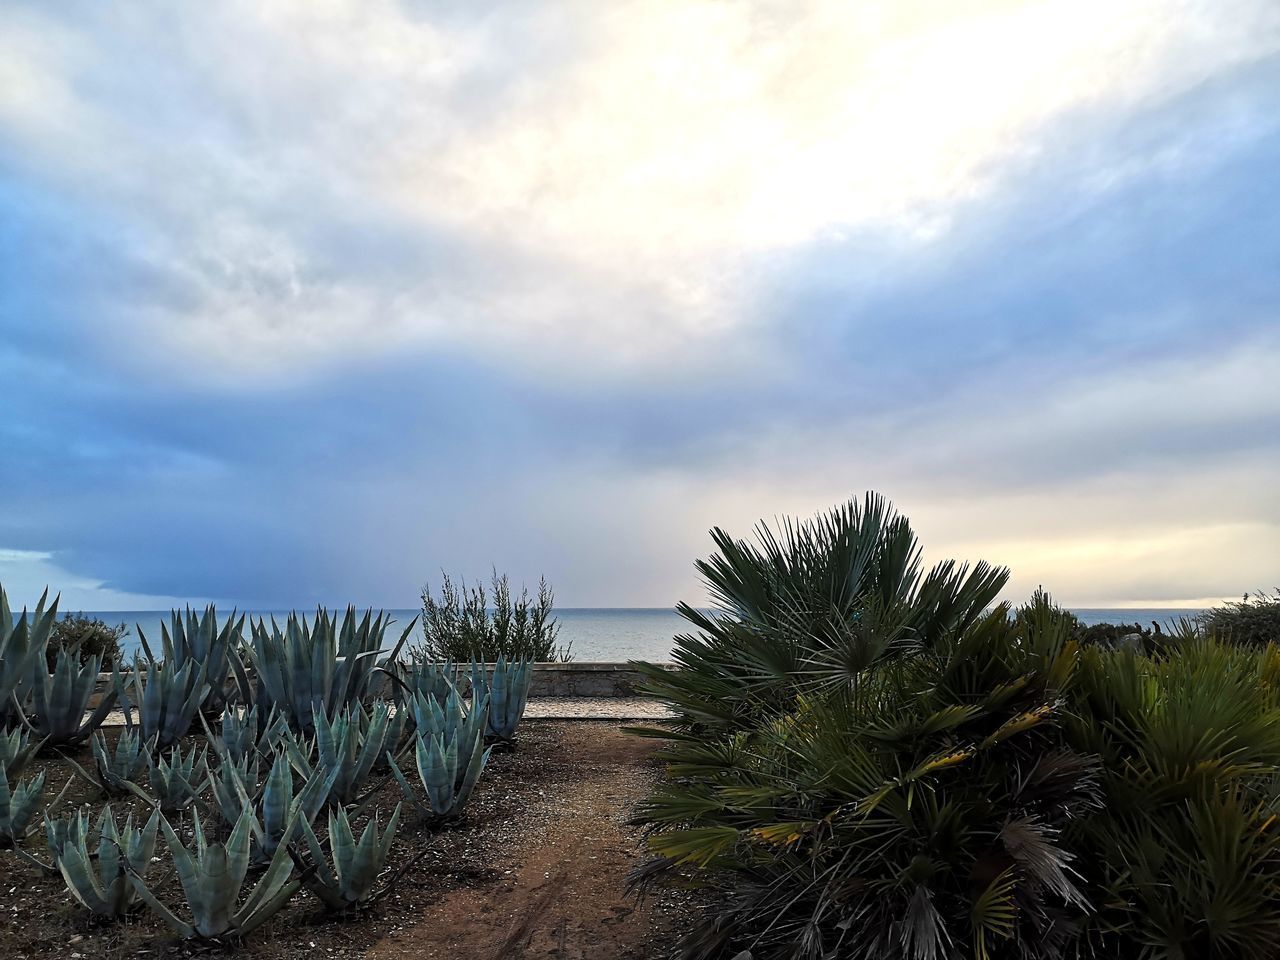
[(539, 870)]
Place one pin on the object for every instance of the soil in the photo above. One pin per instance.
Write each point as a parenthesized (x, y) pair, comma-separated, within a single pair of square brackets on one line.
[(538, 869)]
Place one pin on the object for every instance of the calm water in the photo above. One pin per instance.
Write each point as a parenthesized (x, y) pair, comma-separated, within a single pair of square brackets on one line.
[(604, 634)]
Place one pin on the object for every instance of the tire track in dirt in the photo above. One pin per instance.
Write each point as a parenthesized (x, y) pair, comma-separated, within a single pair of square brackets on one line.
[(564, 895)]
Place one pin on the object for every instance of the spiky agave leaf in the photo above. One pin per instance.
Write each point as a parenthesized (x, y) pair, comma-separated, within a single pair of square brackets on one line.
[(178, 780), (17, 750), (234, 785), (19, 804), (166, 696), (318, 667), (212, 877), (348, 877), (192, 638), (59, 702), (506, 689), (447, 782), (102, 883), (22, 649)]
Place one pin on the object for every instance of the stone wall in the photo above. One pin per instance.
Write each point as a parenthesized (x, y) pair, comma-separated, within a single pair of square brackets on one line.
[(587, 679)]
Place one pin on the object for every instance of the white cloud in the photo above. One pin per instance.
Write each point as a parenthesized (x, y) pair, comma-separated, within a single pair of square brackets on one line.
[(596, 179)]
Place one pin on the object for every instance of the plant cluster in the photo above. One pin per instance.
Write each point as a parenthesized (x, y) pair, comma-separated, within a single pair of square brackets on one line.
[(1253, 622), (288, 724), (468, 623), (872, 761), (89, 636)]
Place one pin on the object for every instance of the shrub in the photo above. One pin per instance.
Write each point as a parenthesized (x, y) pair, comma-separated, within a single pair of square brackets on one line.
[(864, 763), (864, 768), (1184, 858), (89, 636), (461, 626), (1252, 622), (812, 603)]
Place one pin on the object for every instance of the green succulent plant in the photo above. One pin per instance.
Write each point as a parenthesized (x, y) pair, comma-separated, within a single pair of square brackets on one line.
[(418, 676), (276, 811), (22, 645), (128, 763), (167, 697), (320, 667), (59, 702), (350, 746), (348, 877), (177, 780), (103, 881), (247, 732), (195, 640), (448, 768), (119, 771), (16, 749), (213, 875), (19, 804), (507, 690), (235, 784)]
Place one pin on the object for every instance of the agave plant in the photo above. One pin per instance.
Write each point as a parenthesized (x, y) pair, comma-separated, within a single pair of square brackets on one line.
[(347, 749), (247, 733), (417, 676), (58, 833), (16, 749), (19, 804), (348, 878), (59, 703), (449, 763), (309, 669), (234, 784), (196, 640), (118, 771), (168, 699), (177, 781), (213, 876), (61, 831), (507, 690), (22, 648), (276, 811), (102, 881)]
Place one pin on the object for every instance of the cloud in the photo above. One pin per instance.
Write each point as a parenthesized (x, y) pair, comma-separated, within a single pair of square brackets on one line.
[(303, 302), (304, 182)]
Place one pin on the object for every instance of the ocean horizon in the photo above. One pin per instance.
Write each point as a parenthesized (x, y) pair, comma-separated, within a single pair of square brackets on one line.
[(600, 633)]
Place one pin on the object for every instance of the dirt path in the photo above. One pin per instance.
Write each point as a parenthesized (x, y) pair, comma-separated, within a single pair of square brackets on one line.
[(563, 895)]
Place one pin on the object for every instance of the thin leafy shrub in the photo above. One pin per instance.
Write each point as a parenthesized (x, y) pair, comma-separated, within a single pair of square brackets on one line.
[(88, 637), (1252, 622), (466, 623)]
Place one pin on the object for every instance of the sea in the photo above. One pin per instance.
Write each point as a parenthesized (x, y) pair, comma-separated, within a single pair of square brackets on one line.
[(598, 633)]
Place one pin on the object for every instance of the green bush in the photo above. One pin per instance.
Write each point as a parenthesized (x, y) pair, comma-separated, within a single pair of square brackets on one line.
[(860, 767), (1184, 856), (90, 636), (811, 604), (864, 763), (469, 623), (1252, 622)]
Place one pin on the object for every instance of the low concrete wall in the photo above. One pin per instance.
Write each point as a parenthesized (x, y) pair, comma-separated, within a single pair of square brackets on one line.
[(586, 679)]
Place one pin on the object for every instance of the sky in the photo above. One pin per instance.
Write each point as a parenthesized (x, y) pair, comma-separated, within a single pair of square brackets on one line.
[(305, 302)]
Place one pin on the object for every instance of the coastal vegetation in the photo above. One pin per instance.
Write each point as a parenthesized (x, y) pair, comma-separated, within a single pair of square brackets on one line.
[(866, 758), (472, 622), (232, 748), (88, 636), (872, 760)]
